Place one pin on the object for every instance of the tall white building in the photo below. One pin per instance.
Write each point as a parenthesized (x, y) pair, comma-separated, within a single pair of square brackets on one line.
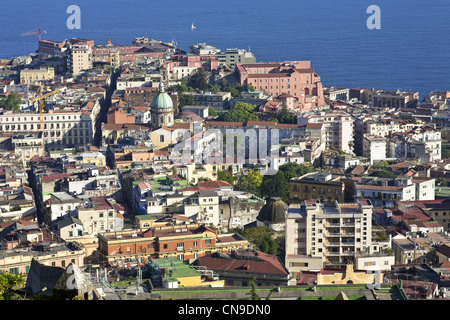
[(319, 235), (374, 148), (80, 59), (338, 127)]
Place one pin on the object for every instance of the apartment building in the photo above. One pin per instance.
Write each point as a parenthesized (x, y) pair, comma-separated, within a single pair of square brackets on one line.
[(62, 129), (184, 241), (384, 192), (18, 261), (374, 148), (98, 215), (338, 128), (218, 100), (62, 204), (232, 57), (322, 186), (423, 144), (319, 235), (387, 98), (392, 98), (387, 127), (227, 57), (80, 59), (203, 207)]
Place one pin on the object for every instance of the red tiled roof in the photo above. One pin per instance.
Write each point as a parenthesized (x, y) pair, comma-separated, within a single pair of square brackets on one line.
[(56, 176), (213, 184)]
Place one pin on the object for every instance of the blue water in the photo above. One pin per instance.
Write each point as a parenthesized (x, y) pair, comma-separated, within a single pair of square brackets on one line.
[(410, 51)]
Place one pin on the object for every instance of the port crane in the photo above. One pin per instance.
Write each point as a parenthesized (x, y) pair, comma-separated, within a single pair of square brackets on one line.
[(41, 97), (39, 32)]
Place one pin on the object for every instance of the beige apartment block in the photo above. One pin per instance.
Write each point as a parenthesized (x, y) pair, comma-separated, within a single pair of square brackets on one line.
[(80, 59), (320, 235)]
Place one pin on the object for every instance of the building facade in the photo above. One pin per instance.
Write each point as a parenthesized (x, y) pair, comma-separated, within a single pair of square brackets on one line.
[(319, 235), (63, 129), (295, 78), (184, 241), (32, 76), (317, 186), (80, 59), (338, 128)]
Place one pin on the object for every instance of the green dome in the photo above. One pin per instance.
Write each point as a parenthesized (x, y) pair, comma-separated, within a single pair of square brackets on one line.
[(162, 100)]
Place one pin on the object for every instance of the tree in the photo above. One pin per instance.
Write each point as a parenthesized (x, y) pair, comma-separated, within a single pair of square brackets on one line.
[(241, 112), (212, 112), (199, 80), (11, 102), (293, 169), (252, 293), (286, 116), (185, 100), (225, 176), (275, 186), (446, 154), (9, 282), (250, 182), (261, 237)]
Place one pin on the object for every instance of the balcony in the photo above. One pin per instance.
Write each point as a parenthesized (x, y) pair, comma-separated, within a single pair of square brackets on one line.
[(348, 234), (332, 234), (348, 224), (332, 225), (332, 244), (332, 253)]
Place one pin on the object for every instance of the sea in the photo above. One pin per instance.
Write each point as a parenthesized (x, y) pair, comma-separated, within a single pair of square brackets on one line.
[(409, 51)]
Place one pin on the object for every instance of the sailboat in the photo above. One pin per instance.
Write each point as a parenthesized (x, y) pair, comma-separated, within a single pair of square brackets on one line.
[(192, 26)]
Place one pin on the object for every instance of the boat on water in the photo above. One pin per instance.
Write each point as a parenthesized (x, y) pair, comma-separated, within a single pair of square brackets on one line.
[(192, 26)]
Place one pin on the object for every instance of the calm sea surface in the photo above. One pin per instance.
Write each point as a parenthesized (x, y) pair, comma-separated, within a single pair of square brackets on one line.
[(411, 51)]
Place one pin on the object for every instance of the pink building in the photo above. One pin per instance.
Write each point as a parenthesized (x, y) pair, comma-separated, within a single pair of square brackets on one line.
[(294, 78), (207, 62)]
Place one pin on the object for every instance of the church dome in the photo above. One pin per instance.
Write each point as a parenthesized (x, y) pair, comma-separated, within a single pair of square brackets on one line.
[(162, 100), (274, 211)]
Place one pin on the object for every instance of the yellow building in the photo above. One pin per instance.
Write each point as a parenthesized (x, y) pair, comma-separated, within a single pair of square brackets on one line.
[(322, 186), (176, 273), (349, 277), (96, 158), (29, 76), (114, 59)]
